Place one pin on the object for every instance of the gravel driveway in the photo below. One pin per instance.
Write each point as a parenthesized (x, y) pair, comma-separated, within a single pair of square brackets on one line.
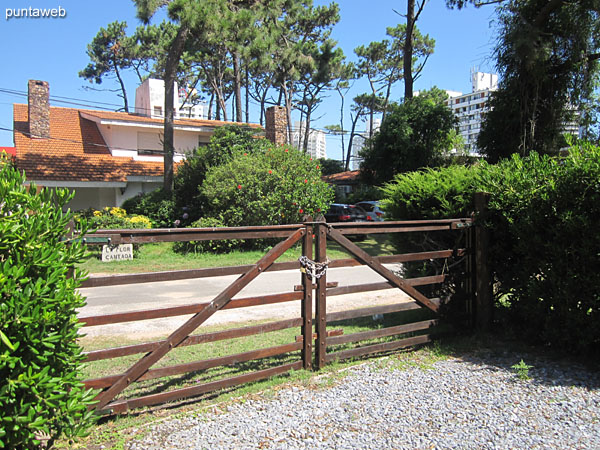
[(472, 401)]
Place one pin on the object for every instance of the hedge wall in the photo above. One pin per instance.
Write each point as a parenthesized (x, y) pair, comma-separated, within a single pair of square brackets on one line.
[(545, 239)]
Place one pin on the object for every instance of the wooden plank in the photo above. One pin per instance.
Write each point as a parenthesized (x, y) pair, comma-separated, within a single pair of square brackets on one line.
[(383, 332), (406, 257), (139, 368), (380, 269), (321, 301), (307, 299), (368, 287), (363, 312), (377, 348), (358, 230), (154, 399), (330, 284), (186, 237), (104, 382), (97, 355), (484, 298), (152, 277), (398, 223), (182, 310), (210, 230), (337, 332)]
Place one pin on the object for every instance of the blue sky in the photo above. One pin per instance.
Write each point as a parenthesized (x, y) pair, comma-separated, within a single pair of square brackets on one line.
[(54, 49)]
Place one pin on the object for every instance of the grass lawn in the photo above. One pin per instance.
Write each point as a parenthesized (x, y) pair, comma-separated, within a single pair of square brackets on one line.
[(161, 257)]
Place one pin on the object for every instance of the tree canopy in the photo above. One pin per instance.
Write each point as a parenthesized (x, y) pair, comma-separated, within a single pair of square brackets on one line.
[(414, 134), (547, 55)]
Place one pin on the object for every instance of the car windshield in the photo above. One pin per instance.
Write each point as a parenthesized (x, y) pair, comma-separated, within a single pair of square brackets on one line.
[(367, 206)]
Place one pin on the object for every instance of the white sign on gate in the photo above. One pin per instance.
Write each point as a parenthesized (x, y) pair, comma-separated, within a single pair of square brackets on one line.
[(117, 252)]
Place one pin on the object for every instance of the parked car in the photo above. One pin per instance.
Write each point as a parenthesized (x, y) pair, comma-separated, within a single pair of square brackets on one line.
[(339, 212), (374, 212)]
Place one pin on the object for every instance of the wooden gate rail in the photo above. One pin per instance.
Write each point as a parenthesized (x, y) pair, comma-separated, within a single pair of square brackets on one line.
[(183, 310), (120, 406), (336, 233), (139, 368), (116, 352), (113, 385), (120, 279), (178, 369)]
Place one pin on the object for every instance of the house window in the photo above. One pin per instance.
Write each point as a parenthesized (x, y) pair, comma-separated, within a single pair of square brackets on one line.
[(149, 143), (157, 111)]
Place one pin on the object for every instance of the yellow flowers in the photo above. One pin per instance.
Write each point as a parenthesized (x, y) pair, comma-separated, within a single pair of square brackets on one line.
[(141, 220)]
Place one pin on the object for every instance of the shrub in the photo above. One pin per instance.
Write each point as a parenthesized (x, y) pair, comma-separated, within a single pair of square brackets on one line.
[(217, 246), (277, 186), (226, 143), (40, 361), (431, 194), (158, 206), (544, 244)]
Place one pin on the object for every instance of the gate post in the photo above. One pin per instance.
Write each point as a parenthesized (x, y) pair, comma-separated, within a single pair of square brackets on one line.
[(483, 287), (307, 328), (321, 307)]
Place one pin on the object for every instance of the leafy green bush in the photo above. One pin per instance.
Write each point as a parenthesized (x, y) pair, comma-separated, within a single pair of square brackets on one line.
[(544, 242), (226, 143), (277, 186), (220, 246), (431, 194), (545, 245), (40, 361), (158, 206)]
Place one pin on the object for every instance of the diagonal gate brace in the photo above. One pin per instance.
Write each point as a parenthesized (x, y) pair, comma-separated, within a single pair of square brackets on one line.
[(139, 368), (381, 270)]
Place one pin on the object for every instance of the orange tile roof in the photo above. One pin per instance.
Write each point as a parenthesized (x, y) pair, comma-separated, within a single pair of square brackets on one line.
[(348, 177), (75, 151)]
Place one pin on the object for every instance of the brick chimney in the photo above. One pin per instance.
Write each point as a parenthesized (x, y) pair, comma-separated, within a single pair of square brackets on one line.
[(276, 125), (39, 108)]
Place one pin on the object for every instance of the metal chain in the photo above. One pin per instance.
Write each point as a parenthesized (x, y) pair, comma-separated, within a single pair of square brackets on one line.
[(315, 269)]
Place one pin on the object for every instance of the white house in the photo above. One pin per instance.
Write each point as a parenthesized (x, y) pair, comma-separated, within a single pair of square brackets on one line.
[(106, 157)]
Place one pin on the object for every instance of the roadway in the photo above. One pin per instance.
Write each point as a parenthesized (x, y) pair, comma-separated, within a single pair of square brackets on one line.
[(143, 296)]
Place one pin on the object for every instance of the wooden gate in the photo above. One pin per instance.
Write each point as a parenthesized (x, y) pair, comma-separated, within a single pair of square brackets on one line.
[(312, 235)]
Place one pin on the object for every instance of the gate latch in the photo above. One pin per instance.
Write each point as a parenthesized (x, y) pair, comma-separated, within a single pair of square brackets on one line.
[(315, 269)]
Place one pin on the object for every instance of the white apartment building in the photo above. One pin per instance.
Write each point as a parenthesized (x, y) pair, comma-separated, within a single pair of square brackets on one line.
[(317, 142), (150, 100), (470, 109), (359, 141)]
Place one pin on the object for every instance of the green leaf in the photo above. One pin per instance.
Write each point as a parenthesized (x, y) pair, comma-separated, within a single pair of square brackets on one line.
[(7, 342)]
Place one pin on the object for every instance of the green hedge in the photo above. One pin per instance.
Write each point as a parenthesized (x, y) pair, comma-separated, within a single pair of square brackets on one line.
[(40, 361), (545, 243)]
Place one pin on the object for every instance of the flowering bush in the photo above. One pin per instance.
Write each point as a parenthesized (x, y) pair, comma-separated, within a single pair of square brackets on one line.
[(114, 218), (278, 185)]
